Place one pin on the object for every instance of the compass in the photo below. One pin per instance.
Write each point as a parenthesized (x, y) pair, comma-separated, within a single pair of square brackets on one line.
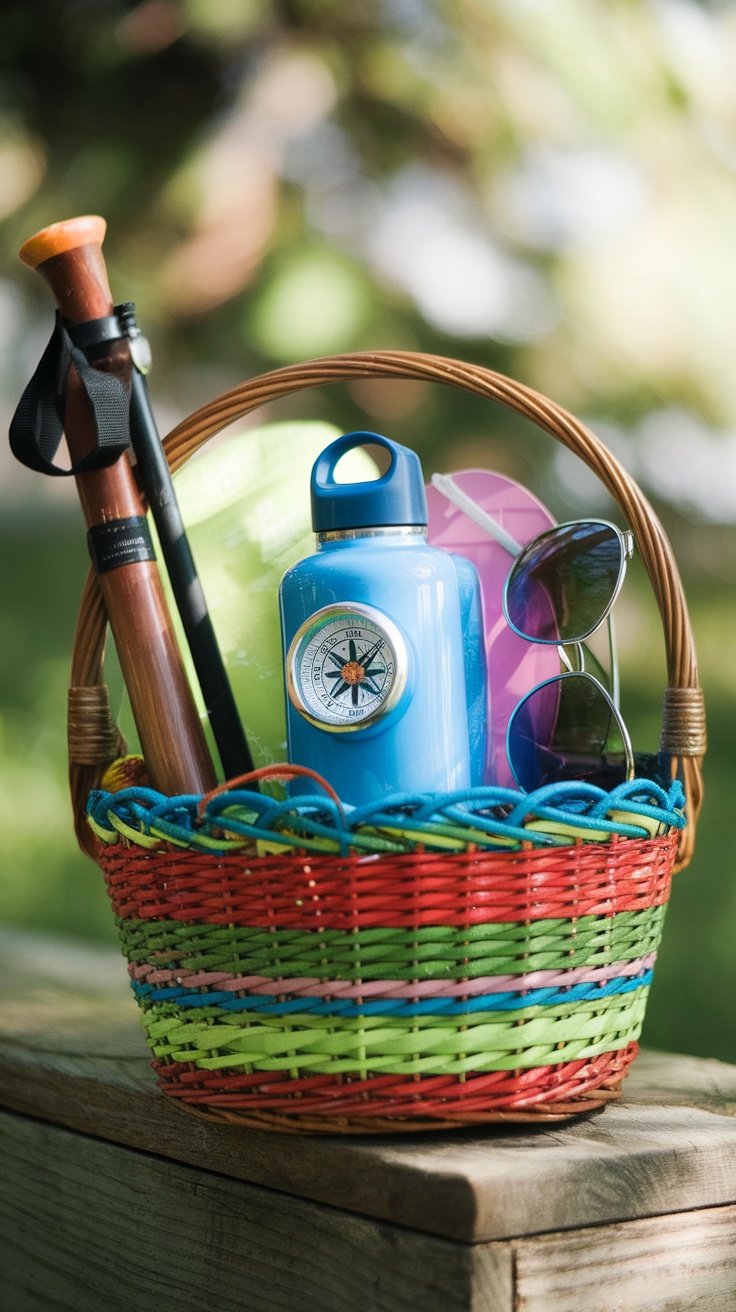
[(346, 667)]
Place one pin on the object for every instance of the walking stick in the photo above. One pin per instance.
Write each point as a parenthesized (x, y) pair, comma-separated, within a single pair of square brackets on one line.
[(93, 403)]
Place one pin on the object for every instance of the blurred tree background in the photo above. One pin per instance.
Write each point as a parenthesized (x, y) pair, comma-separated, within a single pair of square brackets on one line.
[(549, 190)]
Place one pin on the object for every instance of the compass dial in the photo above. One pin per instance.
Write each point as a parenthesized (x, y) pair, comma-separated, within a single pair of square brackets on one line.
[(346, 667)]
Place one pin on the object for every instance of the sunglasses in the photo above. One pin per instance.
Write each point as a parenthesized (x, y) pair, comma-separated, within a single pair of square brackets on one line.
[(559, 591)]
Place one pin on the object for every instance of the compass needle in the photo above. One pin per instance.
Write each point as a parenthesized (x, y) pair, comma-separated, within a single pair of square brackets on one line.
[(370, 652)]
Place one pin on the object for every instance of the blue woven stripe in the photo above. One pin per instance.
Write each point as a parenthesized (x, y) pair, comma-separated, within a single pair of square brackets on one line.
[(269, 1003)]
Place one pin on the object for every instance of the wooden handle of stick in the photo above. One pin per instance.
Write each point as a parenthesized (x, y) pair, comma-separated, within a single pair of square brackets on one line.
[(69, 257)]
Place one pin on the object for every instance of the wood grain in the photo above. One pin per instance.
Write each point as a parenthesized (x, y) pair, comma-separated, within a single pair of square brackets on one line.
[(86, 1225), (72, 1053), (686, 1261)]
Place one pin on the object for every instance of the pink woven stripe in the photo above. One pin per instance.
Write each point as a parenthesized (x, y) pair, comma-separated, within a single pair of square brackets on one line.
[(392, 988)]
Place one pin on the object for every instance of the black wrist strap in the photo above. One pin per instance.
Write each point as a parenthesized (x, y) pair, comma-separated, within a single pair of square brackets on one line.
[(37, 426)]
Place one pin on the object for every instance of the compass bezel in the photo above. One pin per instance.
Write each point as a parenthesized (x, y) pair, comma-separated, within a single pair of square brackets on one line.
[(304, 635)]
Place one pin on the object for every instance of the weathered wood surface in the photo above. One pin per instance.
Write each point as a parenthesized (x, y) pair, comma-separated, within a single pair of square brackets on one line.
[(86, 1225), (72, 1053), (685, 1262)]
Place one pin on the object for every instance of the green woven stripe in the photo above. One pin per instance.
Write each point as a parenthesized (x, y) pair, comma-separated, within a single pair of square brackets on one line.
[(428, 953), (306, 1044)]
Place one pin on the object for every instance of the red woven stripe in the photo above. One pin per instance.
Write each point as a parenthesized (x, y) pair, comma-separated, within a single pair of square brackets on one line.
[(543, 1087), (406, 891)]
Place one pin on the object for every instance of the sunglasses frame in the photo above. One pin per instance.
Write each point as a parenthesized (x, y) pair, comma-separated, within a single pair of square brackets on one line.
[(630, 762), (626, 548), (626, 545)]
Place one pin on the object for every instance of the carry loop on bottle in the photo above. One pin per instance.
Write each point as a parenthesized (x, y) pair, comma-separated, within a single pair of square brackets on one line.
[(459, 958), (373, 639)]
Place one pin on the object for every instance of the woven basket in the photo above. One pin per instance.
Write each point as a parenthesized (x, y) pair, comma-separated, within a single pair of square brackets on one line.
[(432, 963)]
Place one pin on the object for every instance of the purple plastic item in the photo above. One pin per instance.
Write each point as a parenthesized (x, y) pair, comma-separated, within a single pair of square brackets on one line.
[(514, 665)]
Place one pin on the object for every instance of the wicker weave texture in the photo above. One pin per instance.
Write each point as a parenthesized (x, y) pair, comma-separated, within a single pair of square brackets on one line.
[(330, 990), (397, 892), (383, 1104), (320, 980)]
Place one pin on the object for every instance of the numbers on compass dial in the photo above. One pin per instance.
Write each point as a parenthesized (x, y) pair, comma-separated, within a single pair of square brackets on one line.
[(346, 667)]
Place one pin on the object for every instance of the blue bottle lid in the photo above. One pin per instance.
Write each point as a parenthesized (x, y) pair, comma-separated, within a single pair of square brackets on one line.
[(397, 497)]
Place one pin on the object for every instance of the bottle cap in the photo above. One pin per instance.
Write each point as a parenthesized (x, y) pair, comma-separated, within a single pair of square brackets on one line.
[(396, 498)]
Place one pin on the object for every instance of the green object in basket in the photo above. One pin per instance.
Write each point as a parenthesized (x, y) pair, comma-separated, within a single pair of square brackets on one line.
[(245, 505)]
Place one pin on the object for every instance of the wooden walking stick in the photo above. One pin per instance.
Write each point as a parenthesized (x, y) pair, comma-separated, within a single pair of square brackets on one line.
[(69, 257)]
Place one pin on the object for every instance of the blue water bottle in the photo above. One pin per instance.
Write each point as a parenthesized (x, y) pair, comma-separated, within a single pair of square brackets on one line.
[(373, 644)]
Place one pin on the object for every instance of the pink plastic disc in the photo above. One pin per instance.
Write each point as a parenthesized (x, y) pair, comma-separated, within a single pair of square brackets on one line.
[(514, 665)]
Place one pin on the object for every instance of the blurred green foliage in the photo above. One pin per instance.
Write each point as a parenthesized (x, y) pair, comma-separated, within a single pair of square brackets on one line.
[(544, 189)]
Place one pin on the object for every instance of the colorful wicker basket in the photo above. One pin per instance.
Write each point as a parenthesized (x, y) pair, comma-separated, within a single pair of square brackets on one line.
[(429, 962)]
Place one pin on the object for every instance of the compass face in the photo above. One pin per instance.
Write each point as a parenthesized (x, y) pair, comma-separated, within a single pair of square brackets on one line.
[(346, 667)]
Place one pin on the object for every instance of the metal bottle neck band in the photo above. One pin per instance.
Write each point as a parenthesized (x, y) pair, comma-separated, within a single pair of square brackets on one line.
[(408, 531)]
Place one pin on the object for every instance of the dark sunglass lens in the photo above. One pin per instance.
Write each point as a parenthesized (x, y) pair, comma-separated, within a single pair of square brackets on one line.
[(566, 729), (560, 586)]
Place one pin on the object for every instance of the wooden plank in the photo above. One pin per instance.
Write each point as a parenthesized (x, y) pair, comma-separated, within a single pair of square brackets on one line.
[(704, 1083), (687, 1261), (86, 1225), (72, 1052)]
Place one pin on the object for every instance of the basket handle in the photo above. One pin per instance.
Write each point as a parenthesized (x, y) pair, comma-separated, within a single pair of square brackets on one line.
[(683, 729)]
